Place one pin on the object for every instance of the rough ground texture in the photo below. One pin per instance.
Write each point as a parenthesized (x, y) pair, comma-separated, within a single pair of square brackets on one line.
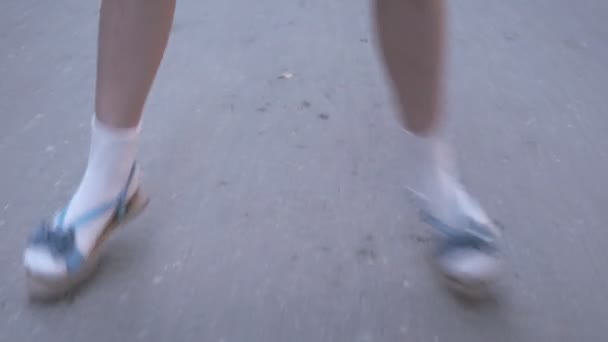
[(279, 211)]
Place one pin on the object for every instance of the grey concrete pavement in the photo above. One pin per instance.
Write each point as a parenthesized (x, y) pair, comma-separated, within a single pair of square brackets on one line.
[(279, 211)]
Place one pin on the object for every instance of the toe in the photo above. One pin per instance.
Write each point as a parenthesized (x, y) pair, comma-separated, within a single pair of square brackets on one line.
[(38, 261), (470, 266)]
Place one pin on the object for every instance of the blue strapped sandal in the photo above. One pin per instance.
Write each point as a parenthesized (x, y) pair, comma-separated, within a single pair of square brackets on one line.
[(60, 241), (467, 256)]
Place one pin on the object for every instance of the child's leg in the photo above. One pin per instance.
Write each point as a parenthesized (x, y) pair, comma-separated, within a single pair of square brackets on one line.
[(132, 39), (411, 35)]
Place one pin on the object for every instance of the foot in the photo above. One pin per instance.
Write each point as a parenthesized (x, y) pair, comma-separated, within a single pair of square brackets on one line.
[(468, 243), (60, 254), (62, 248)]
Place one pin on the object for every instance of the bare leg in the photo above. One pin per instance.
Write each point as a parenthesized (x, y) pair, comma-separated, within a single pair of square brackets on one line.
[(133, 35), (412, 43), (411, 35)]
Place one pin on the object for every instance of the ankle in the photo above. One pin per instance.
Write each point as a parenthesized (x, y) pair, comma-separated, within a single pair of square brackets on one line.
[(111, 158)]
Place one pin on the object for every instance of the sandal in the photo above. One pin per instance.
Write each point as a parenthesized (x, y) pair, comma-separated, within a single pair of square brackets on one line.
[(60, 242), (467, 256)]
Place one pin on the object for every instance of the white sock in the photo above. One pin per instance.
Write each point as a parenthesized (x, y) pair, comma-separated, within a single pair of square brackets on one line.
[(440, 187), (111, 157)]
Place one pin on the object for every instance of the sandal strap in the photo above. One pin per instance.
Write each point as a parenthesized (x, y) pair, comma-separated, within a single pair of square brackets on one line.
[(121, 209), (472, 232), (120, 205)]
